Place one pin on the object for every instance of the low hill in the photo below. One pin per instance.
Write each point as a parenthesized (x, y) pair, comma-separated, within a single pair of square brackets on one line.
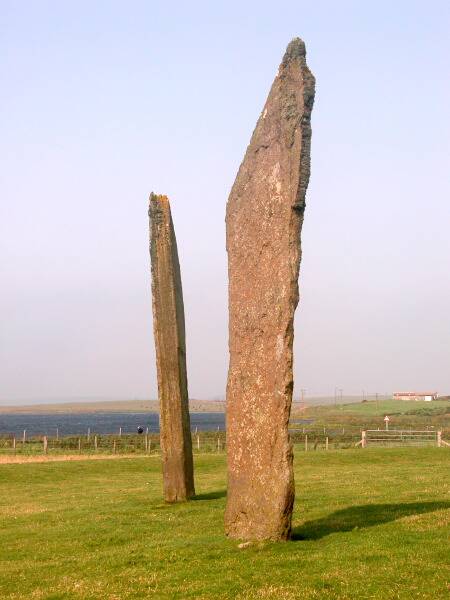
[(195, 406)]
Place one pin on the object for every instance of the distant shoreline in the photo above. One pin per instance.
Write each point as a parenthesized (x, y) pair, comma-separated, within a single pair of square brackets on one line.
[(134, 406), (146, 406)]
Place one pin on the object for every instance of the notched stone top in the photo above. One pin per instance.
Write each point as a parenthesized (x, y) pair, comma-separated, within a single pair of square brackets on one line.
[(157, 198), (158, 206), (296, 49)]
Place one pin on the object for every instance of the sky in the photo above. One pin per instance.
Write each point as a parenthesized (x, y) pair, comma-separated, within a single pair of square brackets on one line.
[(103, 102)]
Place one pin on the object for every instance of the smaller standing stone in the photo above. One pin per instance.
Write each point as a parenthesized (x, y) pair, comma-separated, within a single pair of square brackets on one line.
[(170, 343)]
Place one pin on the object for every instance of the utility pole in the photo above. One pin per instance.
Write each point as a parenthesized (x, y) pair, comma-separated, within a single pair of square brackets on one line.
[(303, 395)]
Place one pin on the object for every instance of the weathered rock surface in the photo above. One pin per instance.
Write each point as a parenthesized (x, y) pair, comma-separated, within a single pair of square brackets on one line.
[(170, 343), (264, 219)]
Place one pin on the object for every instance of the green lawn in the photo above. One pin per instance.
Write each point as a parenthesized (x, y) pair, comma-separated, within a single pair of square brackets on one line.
[(368, 524), (386, 407), (383, 407)]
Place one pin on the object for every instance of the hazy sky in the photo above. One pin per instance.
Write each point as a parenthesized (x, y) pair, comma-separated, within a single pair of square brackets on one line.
[(103, 102)]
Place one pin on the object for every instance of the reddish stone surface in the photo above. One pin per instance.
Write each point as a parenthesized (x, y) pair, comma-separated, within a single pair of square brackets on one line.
[(170, 343), (264, 220)]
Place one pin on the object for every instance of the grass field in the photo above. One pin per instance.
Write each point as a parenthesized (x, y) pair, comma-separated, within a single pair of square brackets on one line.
[(383, 407), (370, 415), (367, 524), (386, 407)]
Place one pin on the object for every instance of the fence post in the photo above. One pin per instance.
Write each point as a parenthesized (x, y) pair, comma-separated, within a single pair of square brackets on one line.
[(57, 434), (120, 431), (45, 444), (326, 443), (146, 442), (89, 434), (439, 439), (79, 445), (198, 442), (114, 447), (306, 443), (95, 443), (24, 435), (14, 444), (363, 439), (218, 444)]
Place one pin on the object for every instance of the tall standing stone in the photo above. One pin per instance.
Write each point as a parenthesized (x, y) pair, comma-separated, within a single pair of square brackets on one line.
[(170, 343), (264, 220)]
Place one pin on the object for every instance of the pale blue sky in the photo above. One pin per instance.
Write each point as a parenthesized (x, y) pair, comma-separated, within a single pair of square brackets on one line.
[(103, 102)]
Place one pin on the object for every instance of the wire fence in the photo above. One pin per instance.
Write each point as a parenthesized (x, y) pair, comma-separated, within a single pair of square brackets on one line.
[(144, 444), (304, 439)]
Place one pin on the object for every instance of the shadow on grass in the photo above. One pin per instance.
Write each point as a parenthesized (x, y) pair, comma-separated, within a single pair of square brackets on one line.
[(360, 517), (211, 495)]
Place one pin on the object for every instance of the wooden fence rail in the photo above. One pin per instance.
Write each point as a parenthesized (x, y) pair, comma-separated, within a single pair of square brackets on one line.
[(400, 437)]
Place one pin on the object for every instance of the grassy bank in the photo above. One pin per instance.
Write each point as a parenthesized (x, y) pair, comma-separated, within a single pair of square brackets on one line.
[(367, 524), (370, 415)]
